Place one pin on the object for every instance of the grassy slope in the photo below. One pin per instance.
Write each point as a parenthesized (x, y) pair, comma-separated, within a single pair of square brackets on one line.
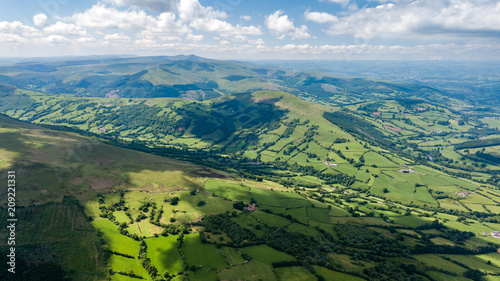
[(94, 167)]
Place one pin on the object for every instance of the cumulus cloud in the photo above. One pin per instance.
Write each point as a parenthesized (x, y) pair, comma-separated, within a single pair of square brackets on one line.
[(210, 20), (190, 10), (155, 5), (100, 16), (51, 39), (342, 2), (193, 37), (424, 17), (116, 37), (165, 27), (12, 38), (320, 17), (62, 28), (40, 20), (17, 28), (246, 18), (282, 26)]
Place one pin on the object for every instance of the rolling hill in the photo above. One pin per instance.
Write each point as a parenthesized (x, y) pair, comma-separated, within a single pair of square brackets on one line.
[(192, 78), (175, 168)]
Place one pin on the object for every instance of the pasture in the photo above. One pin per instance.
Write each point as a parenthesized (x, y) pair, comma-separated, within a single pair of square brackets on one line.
[(253, 270), (116, 241), (266, 254), (199, 254), (164, 254), (295, 273)]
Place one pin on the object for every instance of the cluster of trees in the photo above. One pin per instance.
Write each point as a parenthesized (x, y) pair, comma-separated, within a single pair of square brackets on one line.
[(145, 261), (221, 223)]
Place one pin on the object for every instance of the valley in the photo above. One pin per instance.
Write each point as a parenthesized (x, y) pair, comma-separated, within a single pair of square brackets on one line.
[(238, 172)]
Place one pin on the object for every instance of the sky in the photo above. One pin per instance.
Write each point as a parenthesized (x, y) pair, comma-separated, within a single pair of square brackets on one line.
[(257, 29)]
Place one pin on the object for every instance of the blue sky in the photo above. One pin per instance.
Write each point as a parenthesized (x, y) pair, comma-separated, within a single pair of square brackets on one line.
[(243, 29)]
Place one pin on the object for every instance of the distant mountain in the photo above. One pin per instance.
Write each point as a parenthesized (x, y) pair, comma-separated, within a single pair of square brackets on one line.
[(190, 77)]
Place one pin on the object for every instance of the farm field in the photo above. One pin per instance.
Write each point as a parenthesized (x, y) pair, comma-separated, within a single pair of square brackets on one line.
[(164, 254)]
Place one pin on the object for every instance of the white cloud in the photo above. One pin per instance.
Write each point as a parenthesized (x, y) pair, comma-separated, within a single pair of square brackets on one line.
[(210, 20), (85, 40), (156, 5), (258, 41), (12, 38), (17, 28), (62, 28), (342, 2), (423, 18), (40, 20), (320, 17), (164, 28), (282, 26), (190, 10), (295, 48), (51, 39), (193, 37), (246, 18), (100, 16), (116, 37)]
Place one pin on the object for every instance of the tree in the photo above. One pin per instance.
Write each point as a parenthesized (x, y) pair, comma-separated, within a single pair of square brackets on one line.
[(239, 205), (174, 201), (473, 274)]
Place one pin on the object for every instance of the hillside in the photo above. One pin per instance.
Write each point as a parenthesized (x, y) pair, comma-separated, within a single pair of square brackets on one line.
[(352, 179), (53, 168), (144, 204), (193, 78), (270, 126)]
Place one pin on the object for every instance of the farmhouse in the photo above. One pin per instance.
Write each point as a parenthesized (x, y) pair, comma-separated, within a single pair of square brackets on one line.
[(464, 194), (250, 207), (409, 170), (330, 164)]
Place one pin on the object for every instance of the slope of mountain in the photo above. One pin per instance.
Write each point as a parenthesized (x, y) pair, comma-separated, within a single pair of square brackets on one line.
[(160, 218), (194, 78), (340, 178)]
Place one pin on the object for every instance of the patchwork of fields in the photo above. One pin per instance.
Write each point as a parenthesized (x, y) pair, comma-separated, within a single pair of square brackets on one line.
[(313, 201)]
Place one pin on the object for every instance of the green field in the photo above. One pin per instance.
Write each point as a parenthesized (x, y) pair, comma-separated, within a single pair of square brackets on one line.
[(436, 261), (116, 241), (266, 254), (164, 254), (253, 270), (228, 190), (270, 219), (318, 214), (294, 273), (123, 264), (331, 275), (232, 256), (199, 254), (475, 263)]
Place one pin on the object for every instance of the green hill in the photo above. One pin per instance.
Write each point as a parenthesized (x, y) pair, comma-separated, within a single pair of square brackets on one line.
[(192, 78), (350, 177)]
